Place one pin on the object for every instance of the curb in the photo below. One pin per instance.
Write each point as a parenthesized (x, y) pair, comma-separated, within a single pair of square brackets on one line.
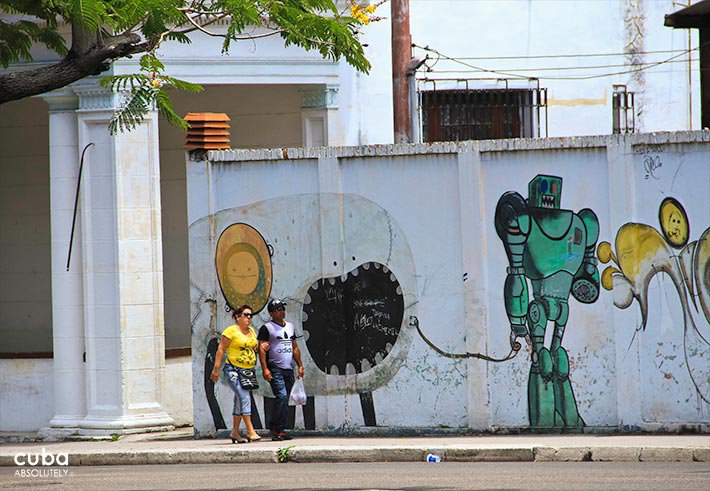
[(386, 454)]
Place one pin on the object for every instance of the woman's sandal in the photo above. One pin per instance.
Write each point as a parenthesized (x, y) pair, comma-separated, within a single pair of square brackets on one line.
[(239, 439), (254, 438)]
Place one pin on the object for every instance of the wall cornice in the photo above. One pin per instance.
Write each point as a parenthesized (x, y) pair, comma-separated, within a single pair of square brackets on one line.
[(510, 145)]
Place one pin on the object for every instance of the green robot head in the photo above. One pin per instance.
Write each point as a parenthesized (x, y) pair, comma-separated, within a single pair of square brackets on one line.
[(545, 191)]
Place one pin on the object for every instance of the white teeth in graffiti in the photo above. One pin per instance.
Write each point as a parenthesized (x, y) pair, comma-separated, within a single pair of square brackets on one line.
[(393, 278), (350, 369), (385, 269), (307, 299), (377, 265), (304, 316), (388, 347), (314, 286), (343, 278), (354, 272), (399, 290), (334, 370), (365, 365), (331, 281), (366, 266), (378, 358), (306, 335)]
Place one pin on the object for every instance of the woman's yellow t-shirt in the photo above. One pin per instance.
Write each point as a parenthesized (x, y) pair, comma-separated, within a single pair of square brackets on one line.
[(240, 351)]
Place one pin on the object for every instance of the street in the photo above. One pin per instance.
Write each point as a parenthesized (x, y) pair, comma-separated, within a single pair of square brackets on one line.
[(370, 476)]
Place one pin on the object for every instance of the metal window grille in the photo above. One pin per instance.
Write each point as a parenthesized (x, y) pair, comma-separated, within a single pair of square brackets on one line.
[(622, 110), (480, 114)]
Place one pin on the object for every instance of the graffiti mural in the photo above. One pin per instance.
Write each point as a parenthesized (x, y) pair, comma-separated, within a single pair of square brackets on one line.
[(643, 253), (243, 264), (354, 323), (552, 249)]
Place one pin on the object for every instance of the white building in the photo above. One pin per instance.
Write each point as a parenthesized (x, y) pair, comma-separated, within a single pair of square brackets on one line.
[(108, 341)]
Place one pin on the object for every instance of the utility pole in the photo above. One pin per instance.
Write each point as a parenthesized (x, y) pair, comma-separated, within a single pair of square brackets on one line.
[(401, 57)]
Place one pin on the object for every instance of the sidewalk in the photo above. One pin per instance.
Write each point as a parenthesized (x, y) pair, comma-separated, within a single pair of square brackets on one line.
[(178, 447)]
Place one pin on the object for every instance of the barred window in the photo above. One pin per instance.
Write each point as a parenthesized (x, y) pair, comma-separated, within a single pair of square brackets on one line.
[(480, 114)]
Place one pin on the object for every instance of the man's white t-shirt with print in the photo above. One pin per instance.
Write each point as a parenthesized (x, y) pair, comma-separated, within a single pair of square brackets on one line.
[(281, 340)]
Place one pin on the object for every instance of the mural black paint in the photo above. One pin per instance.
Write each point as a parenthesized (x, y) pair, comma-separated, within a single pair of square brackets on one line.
[(353, 319), (351, 323)]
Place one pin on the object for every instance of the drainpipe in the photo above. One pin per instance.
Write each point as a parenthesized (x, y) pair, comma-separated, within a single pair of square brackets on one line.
[(401, 55), (414, 64)]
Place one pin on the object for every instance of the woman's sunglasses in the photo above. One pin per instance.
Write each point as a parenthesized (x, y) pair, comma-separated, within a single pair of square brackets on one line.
[(247, 314)]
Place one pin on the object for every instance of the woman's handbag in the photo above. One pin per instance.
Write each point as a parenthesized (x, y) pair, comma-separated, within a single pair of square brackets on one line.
[(247, 378)]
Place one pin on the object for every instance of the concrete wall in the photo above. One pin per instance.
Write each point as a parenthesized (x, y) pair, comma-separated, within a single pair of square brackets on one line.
[(27, 390), (26, 394), (369, 242), (177, 397)]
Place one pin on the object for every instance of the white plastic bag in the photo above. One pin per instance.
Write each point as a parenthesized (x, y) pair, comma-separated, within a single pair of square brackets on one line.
[(298, 394)]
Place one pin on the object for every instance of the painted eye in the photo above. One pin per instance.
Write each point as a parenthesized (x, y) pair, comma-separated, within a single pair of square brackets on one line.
[(553, 187), (543, 186)]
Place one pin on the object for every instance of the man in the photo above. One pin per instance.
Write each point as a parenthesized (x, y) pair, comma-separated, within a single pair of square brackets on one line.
[(277, 351)]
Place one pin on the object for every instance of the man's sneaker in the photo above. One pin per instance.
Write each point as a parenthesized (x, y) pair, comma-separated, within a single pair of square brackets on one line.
[(284, 436), (277, 438)]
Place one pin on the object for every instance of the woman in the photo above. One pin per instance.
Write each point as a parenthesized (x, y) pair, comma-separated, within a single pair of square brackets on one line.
[(240, 344)]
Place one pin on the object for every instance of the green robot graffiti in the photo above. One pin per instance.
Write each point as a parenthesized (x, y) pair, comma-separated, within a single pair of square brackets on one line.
[(554, 249)]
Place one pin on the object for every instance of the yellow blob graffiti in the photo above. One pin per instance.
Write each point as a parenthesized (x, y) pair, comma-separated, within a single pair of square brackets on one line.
[(243, 267), (674, 222), (642, 252)]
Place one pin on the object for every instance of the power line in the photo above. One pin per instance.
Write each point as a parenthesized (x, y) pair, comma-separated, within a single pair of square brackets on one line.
[(441, 55), (579, 55), (560, 68)]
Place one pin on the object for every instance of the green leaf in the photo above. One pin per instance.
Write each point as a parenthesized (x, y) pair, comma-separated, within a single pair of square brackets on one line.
[(125, 82), (165, 108), (151, 63), (130, 115), (91, 14), (182, 85)]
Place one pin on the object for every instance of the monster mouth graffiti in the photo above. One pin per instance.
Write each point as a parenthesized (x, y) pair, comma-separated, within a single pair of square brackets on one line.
[(355, 334), (548, 201), (351, 322)]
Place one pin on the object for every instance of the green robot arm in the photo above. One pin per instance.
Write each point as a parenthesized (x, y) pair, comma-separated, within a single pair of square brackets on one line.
[(512, 220), (585, 285)]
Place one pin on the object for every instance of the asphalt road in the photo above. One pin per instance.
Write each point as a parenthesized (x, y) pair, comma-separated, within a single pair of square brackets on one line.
[(375, 476)]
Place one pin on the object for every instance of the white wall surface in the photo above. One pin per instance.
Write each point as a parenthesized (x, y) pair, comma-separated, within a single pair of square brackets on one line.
[(26, 393), (177, 396), (27, 389), (441, 244)]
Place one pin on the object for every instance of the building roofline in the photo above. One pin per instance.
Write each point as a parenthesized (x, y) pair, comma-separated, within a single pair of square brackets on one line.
[(694, 16)]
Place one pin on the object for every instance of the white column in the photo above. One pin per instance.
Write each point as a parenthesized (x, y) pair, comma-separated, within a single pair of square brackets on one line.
[(475, 286), (622, 195), (123, 270), (67, 289), (318, 117)]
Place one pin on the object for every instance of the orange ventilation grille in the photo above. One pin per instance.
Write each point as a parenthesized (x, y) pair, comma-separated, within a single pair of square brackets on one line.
[(208, 131)]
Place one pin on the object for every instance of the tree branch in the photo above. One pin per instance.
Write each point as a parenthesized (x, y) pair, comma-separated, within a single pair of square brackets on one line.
[(86, 57), (201, 28)]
